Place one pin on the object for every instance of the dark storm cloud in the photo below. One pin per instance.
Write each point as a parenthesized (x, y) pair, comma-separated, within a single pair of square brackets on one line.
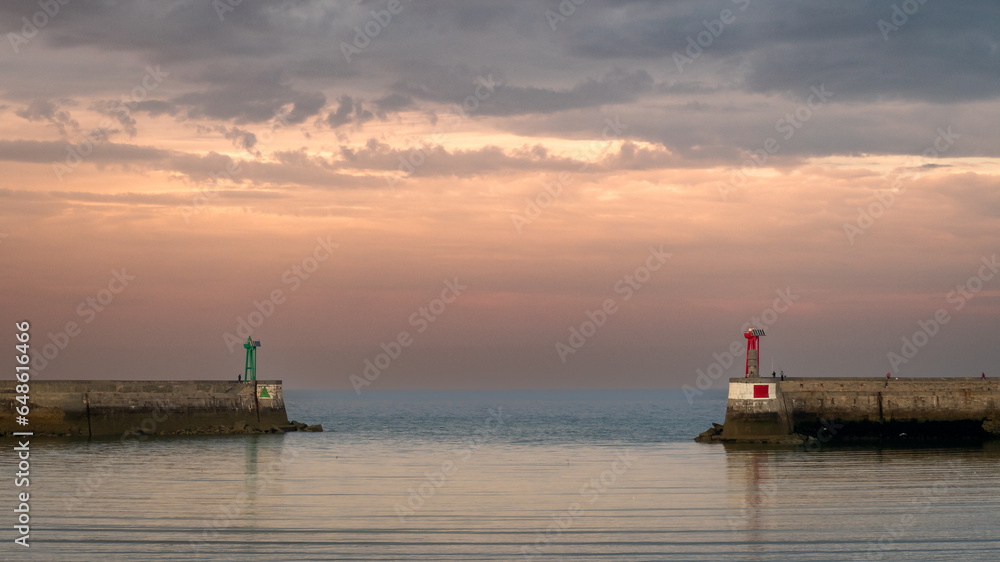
[(173, 31), (615, 87), (234, 70), (496, 97), (266, 59), (866, 49), (475, 17), (942, 51)]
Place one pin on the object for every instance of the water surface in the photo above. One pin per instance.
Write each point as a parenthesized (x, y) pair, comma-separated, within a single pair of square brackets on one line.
[(504, 476)]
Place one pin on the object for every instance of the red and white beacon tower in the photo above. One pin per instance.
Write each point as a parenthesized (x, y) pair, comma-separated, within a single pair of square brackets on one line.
[(753, 352)]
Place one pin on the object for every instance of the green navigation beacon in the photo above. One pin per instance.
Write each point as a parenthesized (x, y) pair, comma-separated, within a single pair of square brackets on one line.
[(250, 372)]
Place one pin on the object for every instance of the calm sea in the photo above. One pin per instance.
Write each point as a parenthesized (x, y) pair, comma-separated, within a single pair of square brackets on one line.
[(609, 475)]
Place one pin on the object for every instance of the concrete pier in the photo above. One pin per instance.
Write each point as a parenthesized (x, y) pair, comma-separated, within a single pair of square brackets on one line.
[(113, 408), (766, 410)]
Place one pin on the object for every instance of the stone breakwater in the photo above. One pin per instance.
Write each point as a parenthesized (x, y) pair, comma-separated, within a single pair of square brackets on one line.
[(119, 408), (797, 410)]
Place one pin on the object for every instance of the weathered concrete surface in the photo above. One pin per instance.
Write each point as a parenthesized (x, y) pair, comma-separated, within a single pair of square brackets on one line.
[(111, 408), (753, 418), (850, 409)]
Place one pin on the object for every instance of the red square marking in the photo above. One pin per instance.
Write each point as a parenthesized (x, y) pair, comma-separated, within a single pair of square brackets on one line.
[(761, 391)]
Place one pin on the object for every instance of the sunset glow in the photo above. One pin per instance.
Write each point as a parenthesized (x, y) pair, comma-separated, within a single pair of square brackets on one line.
[(218, 158)]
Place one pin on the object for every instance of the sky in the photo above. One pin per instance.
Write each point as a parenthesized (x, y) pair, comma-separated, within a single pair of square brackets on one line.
[(442, 194)]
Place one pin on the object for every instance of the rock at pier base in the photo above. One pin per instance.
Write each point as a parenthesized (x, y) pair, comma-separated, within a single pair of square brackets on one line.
[(714, 435), (238, 428), (299, 426), (992, 426), (711, 435)]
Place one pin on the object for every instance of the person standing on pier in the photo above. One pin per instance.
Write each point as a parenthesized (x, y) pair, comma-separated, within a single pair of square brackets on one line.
[(984, 375)]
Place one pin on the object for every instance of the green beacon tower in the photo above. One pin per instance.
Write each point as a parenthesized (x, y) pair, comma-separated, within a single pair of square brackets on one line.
[(250, 371)]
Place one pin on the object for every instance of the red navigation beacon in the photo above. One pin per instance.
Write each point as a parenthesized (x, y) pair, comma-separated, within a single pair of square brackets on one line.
[(753, 352)]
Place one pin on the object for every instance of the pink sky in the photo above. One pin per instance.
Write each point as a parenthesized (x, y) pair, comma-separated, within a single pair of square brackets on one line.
[(587, 156)]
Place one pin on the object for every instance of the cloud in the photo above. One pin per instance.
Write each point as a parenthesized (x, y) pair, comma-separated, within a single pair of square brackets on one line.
[(615, 87), (352, 128), (47, 110), (392, 103), (119, 112), (242, 104), (939, 54), (493, 95), (348, 111), (304, 106), (241, 138), (56, 151), (156, 107)]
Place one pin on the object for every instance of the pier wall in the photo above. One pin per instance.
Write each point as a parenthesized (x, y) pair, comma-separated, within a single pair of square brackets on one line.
[(862, 408), (112, 408)]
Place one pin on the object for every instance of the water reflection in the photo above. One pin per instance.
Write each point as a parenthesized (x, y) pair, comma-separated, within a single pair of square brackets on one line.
[(863, 503), (753, 489), (334, 495)]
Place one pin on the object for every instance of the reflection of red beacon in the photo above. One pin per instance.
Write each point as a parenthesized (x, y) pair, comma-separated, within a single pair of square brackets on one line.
[(753, 352)]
